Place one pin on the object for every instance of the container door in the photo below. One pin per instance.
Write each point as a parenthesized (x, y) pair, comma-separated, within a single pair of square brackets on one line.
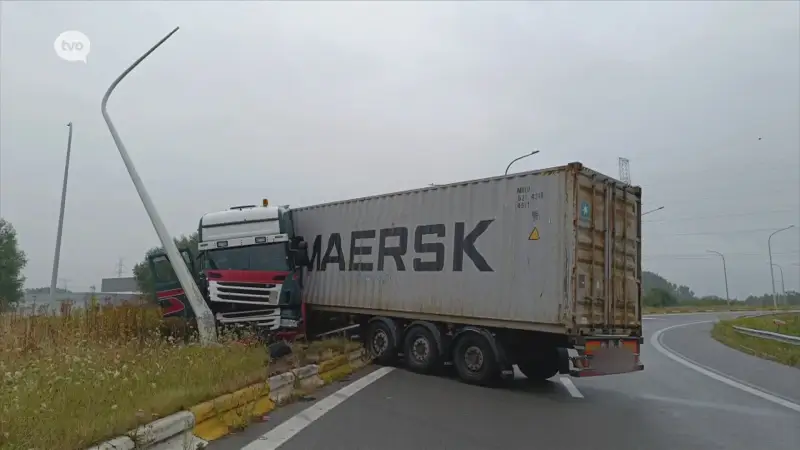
[(606, 285)]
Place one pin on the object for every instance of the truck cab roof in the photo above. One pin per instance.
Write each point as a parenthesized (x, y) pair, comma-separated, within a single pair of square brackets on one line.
[(239, 223)]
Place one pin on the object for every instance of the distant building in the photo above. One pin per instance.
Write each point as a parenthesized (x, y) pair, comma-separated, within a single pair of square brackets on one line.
[(39, 303), (113, 291), (121, 284)]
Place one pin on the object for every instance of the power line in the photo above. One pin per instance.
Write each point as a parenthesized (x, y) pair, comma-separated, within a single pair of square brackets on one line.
[(713, 233), (701, 193), (747, 173), (748, 167), (707, 256), (717, 216)]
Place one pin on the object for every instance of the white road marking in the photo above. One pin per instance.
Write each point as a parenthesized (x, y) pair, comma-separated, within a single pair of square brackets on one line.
[(655, 341), (571, 388), (285, 431), (652, 318)]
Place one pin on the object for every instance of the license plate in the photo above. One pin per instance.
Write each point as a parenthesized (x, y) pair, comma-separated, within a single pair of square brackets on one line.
[(613, 360)]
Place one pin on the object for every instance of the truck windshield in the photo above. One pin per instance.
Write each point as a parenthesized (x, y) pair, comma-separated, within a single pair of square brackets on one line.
[(254, 257)]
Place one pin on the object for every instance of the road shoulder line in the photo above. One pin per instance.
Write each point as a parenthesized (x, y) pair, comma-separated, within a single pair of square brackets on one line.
[(288, 429), (656, 342)]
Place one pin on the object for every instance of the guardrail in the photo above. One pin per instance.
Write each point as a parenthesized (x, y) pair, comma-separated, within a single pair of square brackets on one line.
[(768, 335)]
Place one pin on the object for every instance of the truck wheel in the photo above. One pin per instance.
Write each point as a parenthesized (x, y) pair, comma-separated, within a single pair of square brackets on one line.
[(475, 361), (540, 368), (421, 350), (380, 343)]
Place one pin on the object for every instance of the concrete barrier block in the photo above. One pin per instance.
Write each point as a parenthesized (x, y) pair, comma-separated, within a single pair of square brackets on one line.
[(212, 429), (240, 397), (262, 406), (306, 371), (120, 443), (336, 373), (356, 355), (183, 441), (163, 429), (203, 411), (307, 378), (327, 366), (352, 346), (280, 387)]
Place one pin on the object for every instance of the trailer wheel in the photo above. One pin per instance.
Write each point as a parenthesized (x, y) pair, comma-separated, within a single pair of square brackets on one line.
[(540, 368), (380, 343), (421, 350), (475, 361)]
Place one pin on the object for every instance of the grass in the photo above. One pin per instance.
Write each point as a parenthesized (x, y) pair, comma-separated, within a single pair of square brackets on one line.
[(316, 351), (71, 381), (784, 353), (778, 323)]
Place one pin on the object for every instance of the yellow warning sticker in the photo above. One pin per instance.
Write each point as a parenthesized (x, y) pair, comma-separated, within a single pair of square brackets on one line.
[(534, 236)]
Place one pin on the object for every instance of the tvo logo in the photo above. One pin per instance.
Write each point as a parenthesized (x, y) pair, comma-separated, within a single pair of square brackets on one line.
[(72, 46)]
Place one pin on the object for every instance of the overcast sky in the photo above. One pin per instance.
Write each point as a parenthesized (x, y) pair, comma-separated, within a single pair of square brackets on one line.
[(293, 101)]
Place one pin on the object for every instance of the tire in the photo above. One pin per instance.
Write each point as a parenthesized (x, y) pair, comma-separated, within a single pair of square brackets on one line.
[(279, 350), (540, 368), (475, 361), (380, 343), (421, 350)]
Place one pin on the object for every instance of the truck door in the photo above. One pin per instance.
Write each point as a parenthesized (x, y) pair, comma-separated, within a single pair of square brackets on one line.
[(608, 254), (170, 294)]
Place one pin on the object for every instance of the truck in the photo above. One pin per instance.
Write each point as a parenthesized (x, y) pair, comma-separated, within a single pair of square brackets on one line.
[(540, 270), (241, 267)]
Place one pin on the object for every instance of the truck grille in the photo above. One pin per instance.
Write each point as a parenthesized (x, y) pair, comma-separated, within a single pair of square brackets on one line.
[(264, 318), (244, 293)]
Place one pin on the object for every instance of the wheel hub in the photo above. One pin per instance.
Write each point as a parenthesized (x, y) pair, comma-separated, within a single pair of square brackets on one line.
[(380, 342), (420, 349), (473, 358)]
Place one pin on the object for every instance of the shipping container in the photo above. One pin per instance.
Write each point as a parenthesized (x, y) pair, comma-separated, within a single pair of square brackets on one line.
[(555, 250)]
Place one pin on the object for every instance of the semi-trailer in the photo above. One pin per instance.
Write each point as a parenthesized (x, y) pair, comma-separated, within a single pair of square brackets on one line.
[(539, 269)]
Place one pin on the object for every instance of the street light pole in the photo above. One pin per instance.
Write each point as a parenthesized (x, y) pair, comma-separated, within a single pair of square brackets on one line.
[(725, 271), (783, 286), (205, 319), (521, 157), (772, 272), (57, 253)]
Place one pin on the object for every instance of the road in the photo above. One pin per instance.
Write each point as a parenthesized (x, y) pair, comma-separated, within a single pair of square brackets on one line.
[(717, 399)]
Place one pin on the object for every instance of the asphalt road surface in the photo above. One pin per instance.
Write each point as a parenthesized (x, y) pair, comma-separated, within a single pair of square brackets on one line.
[(693, 394)]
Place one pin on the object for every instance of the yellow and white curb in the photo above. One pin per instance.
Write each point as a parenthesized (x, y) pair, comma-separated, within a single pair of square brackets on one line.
[(168, 433), (223, 415)]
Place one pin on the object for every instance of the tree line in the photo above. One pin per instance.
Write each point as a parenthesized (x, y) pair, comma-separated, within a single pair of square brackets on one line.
[(659, 292), (12, 262)]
